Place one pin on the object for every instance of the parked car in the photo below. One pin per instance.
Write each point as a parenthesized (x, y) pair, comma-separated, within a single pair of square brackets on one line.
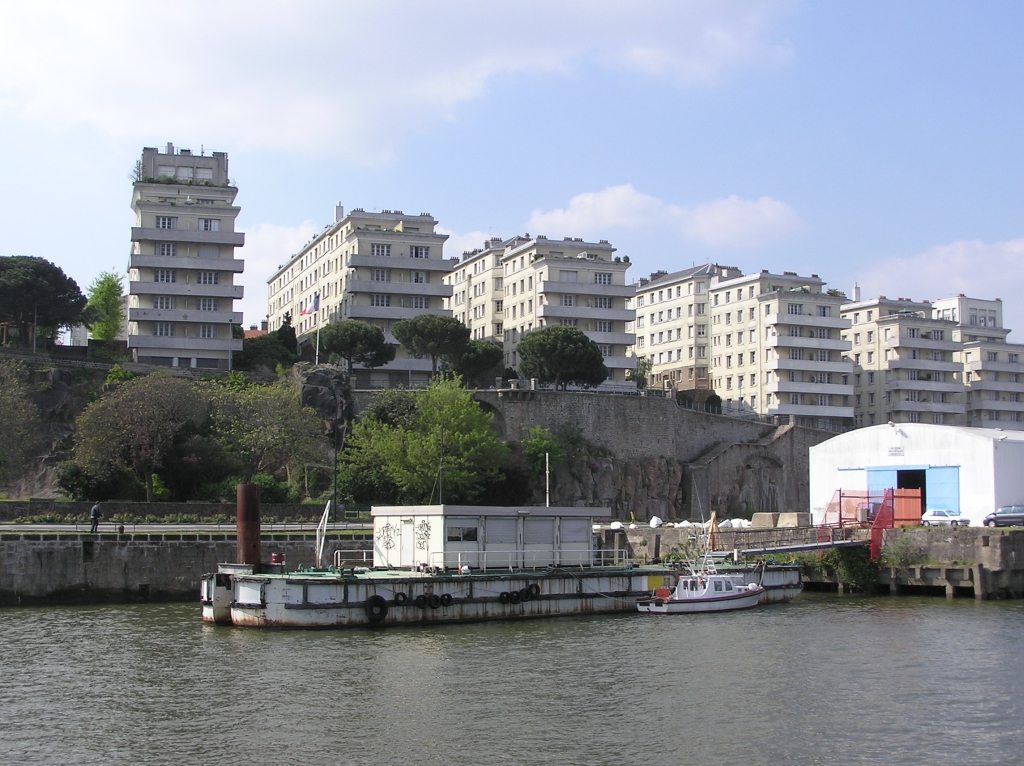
[(1007, 516), (938, 518)]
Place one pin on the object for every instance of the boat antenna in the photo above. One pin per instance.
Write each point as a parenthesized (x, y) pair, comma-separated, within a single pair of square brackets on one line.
[(547, 480), (440, 471)]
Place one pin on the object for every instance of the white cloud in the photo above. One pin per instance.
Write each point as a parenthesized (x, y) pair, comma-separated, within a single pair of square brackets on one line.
[(457, 244), (267, 247), (728, 222), (351, 79), (968, 266)]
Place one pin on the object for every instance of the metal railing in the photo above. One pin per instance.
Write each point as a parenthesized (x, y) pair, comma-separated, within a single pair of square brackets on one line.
[(513, 560), (363, 557)]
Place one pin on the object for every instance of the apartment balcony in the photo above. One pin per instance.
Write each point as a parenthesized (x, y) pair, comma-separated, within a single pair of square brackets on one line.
[(235, 265), (235, 292), (995, 404), (923, 343), (810, 411), (613, 338), (403, 262), (923, 364), (195, 346), (180, 315), (977, 365), (556, 312), (620, 362), (926, 385), (234, 238), (789, 341), (438, 289), (995, 385), (391, 312), (948, 408), (801, 387), (805, 320), (810, 365), (586, 288)]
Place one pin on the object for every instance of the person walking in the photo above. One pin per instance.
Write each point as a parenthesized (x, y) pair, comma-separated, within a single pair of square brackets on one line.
[(94, 518)]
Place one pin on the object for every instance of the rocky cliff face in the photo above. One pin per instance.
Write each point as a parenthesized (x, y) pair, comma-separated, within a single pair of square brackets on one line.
[(641, 487)]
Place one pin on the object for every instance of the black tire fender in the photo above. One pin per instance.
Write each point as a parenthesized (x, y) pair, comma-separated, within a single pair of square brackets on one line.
[(514, 597), (421, 601), (503, 597), (534, 590), (524, 594), (376, 608), (401, 599), (433, 601), (446, 599)]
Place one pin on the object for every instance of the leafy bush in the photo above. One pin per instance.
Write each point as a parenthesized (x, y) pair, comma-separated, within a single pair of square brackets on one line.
[(900, 552), (853, 567)]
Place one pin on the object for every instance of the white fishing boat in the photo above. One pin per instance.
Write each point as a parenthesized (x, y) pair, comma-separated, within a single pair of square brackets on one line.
[(702, 591)]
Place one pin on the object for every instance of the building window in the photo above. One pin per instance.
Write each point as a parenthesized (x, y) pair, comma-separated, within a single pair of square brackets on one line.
[(422, 302), (600, 278), (604, 302), (993, 356), (824, 311), (795, 308), (603, 325), (416, 251), (163, 302), (606, 349), (207, 331), (381, 250), (423, 277), (207, 277), (568, 300), (163, 329), (380, 300), (573, 322), (167, 249), (206, 304), (209, 224), (380, 275), (794, 398), (570, 276), (165, 275), (166, 222)]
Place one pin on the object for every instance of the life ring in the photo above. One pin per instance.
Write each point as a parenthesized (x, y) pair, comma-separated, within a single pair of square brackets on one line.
[(376, 608), (514, 597), (524, 594), (433, 601), (401, 599), (534, 590), (503, 597), (446, 599), (421, 601)]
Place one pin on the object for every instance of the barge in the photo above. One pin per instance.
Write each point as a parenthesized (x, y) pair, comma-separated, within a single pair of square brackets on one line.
[(450, 564)]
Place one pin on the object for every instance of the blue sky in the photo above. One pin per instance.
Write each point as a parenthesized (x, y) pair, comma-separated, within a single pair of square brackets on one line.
[(871, 142)]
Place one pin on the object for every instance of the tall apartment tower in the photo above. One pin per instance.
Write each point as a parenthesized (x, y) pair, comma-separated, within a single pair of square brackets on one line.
[(777, 349), (906, 363), (377, 268), (992, 368), (572, 283), (672, 325), (478, 295), (181, 288)]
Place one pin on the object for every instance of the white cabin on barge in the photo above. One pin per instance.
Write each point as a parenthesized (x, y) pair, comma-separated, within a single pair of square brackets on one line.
[(483, 537)]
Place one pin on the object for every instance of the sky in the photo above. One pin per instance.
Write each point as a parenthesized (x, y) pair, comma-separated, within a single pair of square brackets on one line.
[(870, 142)]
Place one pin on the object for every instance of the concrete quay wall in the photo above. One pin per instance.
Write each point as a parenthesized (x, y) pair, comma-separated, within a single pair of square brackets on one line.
[(69, 568)]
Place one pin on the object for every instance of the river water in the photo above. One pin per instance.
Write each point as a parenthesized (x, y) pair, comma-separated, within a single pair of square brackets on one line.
[(823, 680)]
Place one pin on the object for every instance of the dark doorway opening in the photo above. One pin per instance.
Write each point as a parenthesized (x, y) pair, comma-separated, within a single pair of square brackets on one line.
[(913, 480)]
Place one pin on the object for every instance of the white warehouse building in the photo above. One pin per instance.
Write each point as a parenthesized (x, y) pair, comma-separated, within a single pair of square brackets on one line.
[(970, 470)]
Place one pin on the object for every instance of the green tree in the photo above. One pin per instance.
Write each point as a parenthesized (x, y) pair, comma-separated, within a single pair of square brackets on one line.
[(561, 355), (286, 334), (356, 343), (480, 363), (21, 420), (264, 351), (105, 299), (265, 427), (137, 426), (434, 336), (33, 290), (539, 442), (410, 457), (642, 371)]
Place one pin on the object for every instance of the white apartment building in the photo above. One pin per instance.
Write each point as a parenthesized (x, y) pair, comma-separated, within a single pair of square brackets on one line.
[(572, 283), (777, 349), (478, 295), (181, 289), (992, 369), (672, 325), (906, 363), (378, 268)]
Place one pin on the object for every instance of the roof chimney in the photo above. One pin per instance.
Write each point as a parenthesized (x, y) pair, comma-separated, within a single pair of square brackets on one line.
[(856, 292), (170, 148), (339, 212)]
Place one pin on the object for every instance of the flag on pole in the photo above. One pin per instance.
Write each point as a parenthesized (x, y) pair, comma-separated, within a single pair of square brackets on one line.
[(312, 307)]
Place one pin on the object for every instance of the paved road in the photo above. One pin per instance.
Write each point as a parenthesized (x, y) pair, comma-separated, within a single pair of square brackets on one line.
[(108, 527)]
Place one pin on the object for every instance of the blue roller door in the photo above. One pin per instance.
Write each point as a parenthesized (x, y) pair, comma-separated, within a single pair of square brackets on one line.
[(943, 488)]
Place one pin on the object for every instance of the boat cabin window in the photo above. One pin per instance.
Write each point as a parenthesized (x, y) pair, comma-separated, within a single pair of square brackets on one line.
[(457, 532), (718, 584), (728, 585)]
